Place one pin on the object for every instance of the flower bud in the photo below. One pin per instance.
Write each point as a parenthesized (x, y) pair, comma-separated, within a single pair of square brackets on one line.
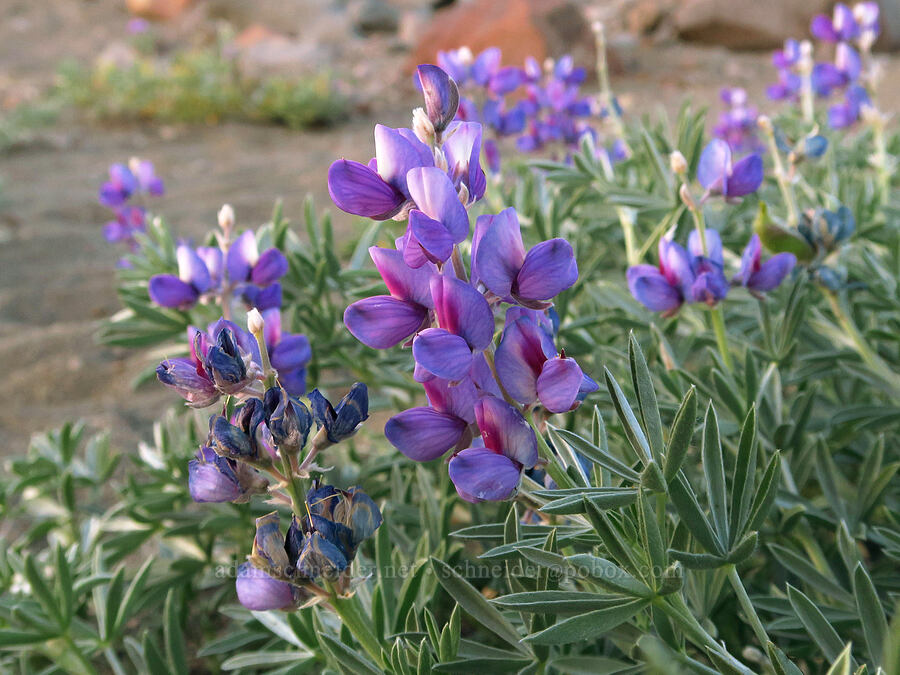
[(183, 376), (342, 422), (288, 420), (440, 159), (255, 322), (678, 163), (441, 96), (463, 194), (358, 512), (320, 558), (225, 362), (212, 478), (268, 545), (686, 197), (764, 123), (226, 217), (423, 127)]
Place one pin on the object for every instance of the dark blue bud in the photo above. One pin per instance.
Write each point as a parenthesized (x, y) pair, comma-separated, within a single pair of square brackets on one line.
[(829, 278), (815, 146), (269, 544), (224, 362), (359, 513), (841, 223), (342, 422), (293, 541), (231, 441), (322, 500), (288, 419), (320, 558)]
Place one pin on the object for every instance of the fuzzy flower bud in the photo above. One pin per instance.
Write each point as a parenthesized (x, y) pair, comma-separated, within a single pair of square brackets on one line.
[(678, 163), (226, 217), (463, 194), (440, 159), (686, 197), (255, 322), (764, 123), (423, 127)]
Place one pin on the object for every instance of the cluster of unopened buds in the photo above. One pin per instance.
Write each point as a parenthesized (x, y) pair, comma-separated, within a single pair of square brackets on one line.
[(852, 32), (257, 450), (128, 184), (479, 389)]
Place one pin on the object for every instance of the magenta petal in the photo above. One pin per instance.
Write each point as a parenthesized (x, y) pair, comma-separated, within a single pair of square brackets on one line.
[(549, 269), (714, 164), (749, 260), (520, 357), (504, 430), (558, 384), (462, 310), (482, 475), (355, 188), (463, 151), (746, 176), (500, 252), (242, 255), (383, 321), (441, 95), (271, 266), (401, 280), (652, 289), (413, 254), (423, 434), (431, 236), (772, 272), (442, 353), (674, 264), (433, 192), (455, 399), (167, 290)]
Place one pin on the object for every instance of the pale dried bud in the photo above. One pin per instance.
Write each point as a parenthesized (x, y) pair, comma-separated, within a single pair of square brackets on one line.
[(465, 55), (678, 163), (764, 123), (463, 193), (597, 27), (805, 65), (685, 193), (134, 164), (255, 322), (423, 127), (440, 159), (226, 217)]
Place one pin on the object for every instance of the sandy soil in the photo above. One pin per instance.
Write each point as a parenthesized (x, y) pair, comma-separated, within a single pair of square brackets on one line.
[(56, 271)]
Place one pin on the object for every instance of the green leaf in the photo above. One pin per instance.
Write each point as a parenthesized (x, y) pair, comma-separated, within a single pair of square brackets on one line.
[(174, 638), (800, 566), (765, 495), (780, 662), (681, 434), (600, 456), (475, 603), (408, 593), (349, 660), (871, 614), (41, 591), (265, 658), (132, 597), (602, 498), (609, 575), (841, 665), (714, 470), (633, 430), (557, 602), (744, 475), (64, 586), (480, 665), (587, 626), (685, 500), (815, 623), (14, 638), (154, 659), (646, 395), (589, 665)]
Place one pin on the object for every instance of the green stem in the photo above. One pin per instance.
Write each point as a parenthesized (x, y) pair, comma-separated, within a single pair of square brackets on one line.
[(292, 485), (862, 347), (718, 324), (349, 609), (881, 159), (747, 606), (268, 371), (787, 190)]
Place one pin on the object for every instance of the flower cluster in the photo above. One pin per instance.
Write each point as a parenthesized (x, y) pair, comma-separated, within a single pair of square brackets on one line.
[(234, 269), (737, 123), (263, 439), (852, 32), (126, 184), (477, 391)]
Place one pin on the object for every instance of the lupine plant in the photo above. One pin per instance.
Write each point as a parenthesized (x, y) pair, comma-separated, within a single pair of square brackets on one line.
[(639, 415)]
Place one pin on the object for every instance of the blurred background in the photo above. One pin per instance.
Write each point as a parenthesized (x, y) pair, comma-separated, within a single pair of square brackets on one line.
[(245, 101)]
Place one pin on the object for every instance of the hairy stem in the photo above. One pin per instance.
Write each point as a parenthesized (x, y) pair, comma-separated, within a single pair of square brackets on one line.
[(718, 324), (747, 606)]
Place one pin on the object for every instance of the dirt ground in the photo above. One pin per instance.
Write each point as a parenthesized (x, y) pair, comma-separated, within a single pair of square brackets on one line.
[(56, 270)]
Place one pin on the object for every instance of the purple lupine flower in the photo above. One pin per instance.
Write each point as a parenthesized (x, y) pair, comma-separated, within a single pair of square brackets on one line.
[(500, 262), (841, 26), (289, 353), (181, 291), (737, 124), (120, 186), (246, 437), (826, 77), (846, 114), (287, 418), (719, 176), (259, 592), (709, 284), (787, 87), (530, 368), (491, 471), (867, 15), (788, 56), (466, 326), (244, 263), (383, 321), (438, 222), (379, 190), (462, 149), (212, 478), (145, 174), (427, 432), (345, 420), (129, 220), (760, 277)]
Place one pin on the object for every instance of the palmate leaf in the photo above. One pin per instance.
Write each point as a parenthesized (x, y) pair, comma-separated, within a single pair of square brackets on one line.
[(714, 471), (744, 476)]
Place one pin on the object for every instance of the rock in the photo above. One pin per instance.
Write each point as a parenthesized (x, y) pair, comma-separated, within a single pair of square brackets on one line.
[(643, 17), (261, 53), (521, 28), (376, 16), (760, 24), (160, 10)]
